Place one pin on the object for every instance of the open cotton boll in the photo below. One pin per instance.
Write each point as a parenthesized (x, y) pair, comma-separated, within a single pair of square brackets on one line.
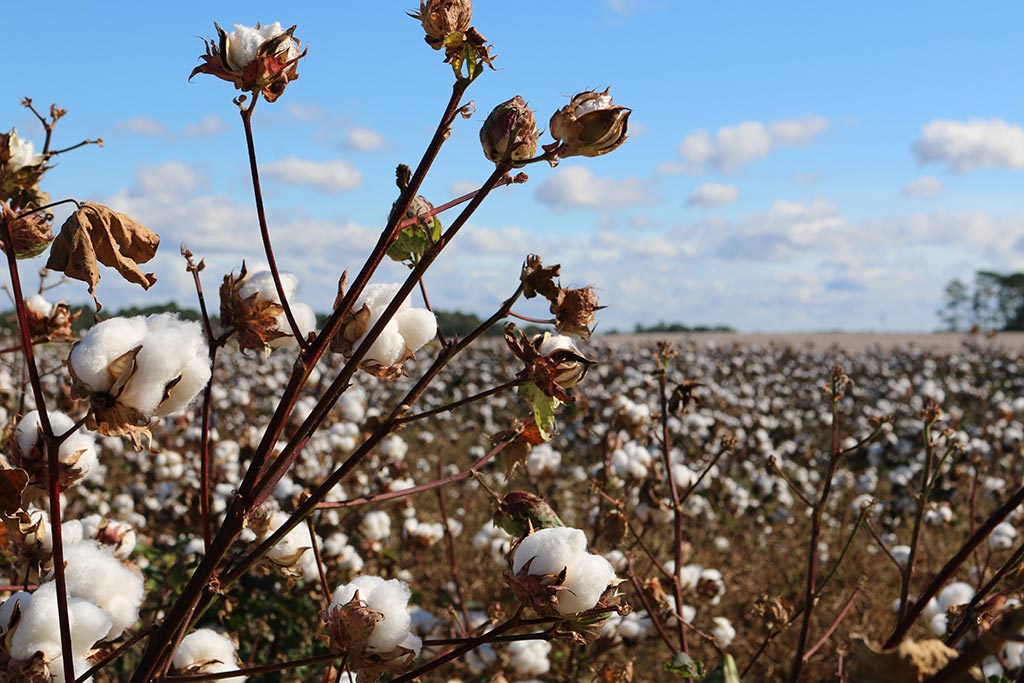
[(390, 598), (377, 297), (530, 657), (22, 598), (94, 574), (110, 339), (171, 348), (39, 629), (956, 593), (551, 550), (79, 448), (261, 283), (417, 326), (586, 579), (214, 652), (723, 631), (39, 304), (389, 347)]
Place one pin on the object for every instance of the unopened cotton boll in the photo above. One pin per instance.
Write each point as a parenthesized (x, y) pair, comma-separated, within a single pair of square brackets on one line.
[(390, 598), (209, 651)]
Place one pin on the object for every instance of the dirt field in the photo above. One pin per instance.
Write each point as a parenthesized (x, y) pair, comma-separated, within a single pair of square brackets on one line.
[(849, 341)]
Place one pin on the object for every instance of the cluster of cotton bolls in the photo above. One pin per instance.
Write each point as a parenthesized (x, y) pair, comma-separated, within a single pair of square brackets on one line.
[(104, 597)]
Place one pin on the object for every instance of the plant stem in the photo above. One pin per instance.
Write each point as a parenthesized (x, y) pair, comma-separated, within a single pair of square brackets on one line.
[(51, 447), (922, 502), (511, 384), (261, 214), (810, 585)]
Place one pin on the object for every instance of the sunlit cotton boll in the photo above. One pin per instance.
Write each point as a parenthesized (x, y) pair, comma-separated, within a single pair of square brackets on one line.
[(551, 550), (208, 651), (723, 631), (39, 629), (172, 351), (78, 449), (244, 41), (1002, 537), (94, 574), (404, 334), (530, 657), (391, 599)]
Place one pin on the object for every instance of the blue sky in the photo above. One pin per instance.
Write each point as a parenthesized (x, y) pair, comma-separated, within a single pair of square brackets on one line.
[(791, 166)]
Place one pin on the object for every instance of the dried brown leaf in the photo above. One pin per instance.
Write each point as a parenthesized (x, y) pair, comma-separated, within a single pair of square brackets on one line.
[(12, 484), (96, 234), (908, 662)]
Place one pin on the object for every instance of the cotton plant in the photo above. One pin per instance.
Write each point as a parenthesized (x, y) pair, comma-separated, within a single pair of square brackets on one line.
[(133, 370), (368, 621)]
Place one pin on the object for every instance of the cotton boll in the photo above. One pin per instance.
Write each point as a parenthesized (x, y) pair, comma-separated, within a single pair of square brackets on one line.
[(550, 549), (587, 578), (938, 624), (390, 598), (530, 657), (389, 347), (723, 632), (39, 304), (78, 449), (206, 647), (106, 341), (172, 348), (377, 297), (305, 318), (39, 629), (417, 326), (957, 593), (22, 599), (261, 284), (93, 573), (376, 525), (1002, 537)]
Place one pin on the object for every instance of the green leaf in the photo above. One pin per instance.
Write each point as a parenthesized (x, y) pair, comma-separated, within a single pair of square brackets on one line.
[(685, 666), (543, 409)]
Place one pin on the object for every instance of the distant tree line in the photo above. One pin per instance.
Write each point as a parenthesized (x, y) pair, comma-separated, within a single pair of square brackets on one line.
[(993, 302)]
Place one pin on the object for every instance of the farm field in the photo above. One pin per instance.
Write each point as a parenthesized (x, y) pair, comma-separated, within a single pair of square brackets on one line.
[(749, 452)]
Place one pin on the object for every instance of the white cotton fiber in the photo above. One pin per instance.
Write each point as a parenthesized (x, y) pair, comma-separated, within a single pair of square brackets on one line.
[(391, 599), (39, 629), (39, 305), (94, 574), (261, 283), (171, 347), (206, 647), (587, 578), (417, 326), (106, 341), (79, 448), (389, 347), (551, 549), (376, 525), (530, 657), (22, 598), (956, 593)]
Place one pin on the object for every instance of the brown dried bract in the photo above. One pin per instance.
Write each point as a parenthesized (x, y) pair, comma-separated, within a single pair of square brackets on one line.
[(573, 308), (30, 234), (254, 322), (96, 234), (268, 73)]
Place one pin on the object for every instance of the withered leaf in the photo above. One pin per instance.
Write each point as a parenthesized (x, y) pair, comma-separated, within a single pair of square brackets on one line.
[(908, 662), (95, 233), (12, 484)]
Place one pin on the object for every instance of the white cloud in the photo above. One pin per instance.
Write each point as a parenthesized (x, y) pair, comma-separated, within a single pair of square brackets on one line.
[(578, 187), (141, 125), (332, 175), (173, 178), (711, 195), (364, 139), (461, 187), (734, 146), (967, 146), (206, 127), (923, 188)]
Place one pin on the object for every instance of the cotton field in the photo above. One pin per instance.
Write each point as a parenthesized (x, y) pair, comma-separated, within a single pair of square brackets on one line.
[(620, 555)]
